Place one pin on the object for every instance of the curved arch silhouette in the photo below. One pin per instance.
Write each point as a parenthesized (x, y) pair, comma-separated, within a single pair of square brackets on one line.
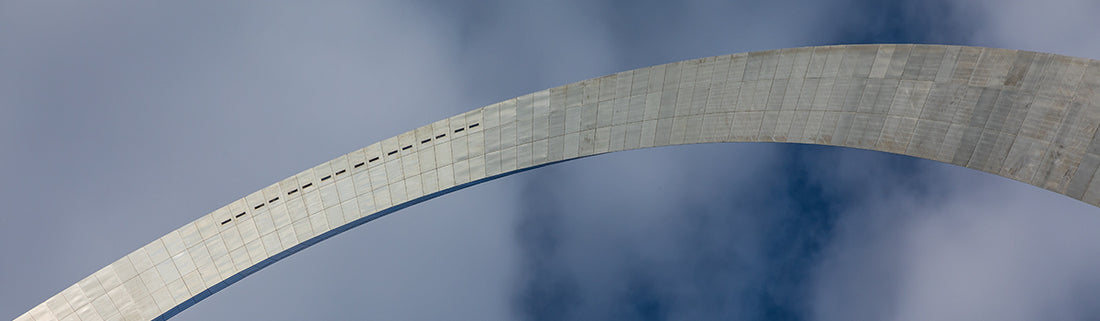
[(1028, 116)]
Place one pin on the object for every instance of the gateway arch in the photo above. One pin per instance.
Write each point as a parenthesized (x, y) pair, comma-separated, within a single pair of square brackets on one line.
[(1028, 116)]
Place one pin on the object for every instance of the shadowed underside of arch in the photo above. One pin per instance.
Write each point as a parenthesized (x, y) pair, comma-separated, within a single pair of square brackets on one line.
[(1024, 115)]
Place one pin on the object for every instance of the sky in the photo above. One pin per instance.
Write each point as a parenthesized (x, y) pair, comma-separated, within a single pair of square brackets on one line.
[(123, 120)]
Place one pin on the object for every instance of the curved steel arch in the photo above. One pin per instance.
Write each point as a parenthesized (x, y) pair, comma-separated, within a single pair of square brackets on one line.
[(1024, 115)]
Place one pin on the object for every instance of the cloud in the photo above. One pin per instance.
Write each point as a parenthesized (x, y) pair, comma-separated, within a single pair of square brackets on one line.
[(1060, 26), (620, 247), (978, 248)]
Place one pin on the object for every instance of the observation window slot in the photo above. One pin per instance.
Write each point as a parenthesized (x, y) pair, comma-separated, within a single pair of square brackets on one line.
[(256, 207), (273, 200), (291, 192), (425, 141), (474, 125), (406, 147), (440, 136), (459, 130), (359, 165), (340, 172), (373, 159), (391, 153), (307, 185), (226, 221), (239, 215), (326, 178)]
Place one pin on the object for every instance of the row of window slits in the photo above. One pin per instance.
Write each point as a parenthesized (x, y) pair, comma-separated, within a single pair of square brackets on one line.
[(360, 164), (427, 140), (226, 221)]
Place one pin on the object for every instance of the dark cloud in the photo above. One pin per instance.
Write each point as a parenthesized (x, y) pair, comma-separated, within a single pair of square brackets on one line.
[(696, 241)]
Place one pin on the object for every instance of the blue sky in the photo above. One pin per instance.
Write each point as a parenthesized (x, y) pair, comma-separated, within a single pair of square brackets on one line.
[(123, 120)]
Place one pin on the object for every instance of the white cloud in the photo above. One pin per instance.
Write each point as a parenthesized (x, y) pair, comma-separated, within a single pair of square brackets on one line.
[(986, 248)]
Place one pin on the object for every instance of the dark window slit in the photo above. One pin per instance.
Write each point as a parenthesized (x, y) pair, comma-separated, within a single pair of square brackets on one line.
[(239, 215), (459, 130), (340, 172), (326, 178), (474, 125), (256, 208), (291, 192), (440, 136), (226, 221), (373, 159), (358, 165), (273, 200), (425, 141), (391, 153), (406, 147), (307, 185)]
